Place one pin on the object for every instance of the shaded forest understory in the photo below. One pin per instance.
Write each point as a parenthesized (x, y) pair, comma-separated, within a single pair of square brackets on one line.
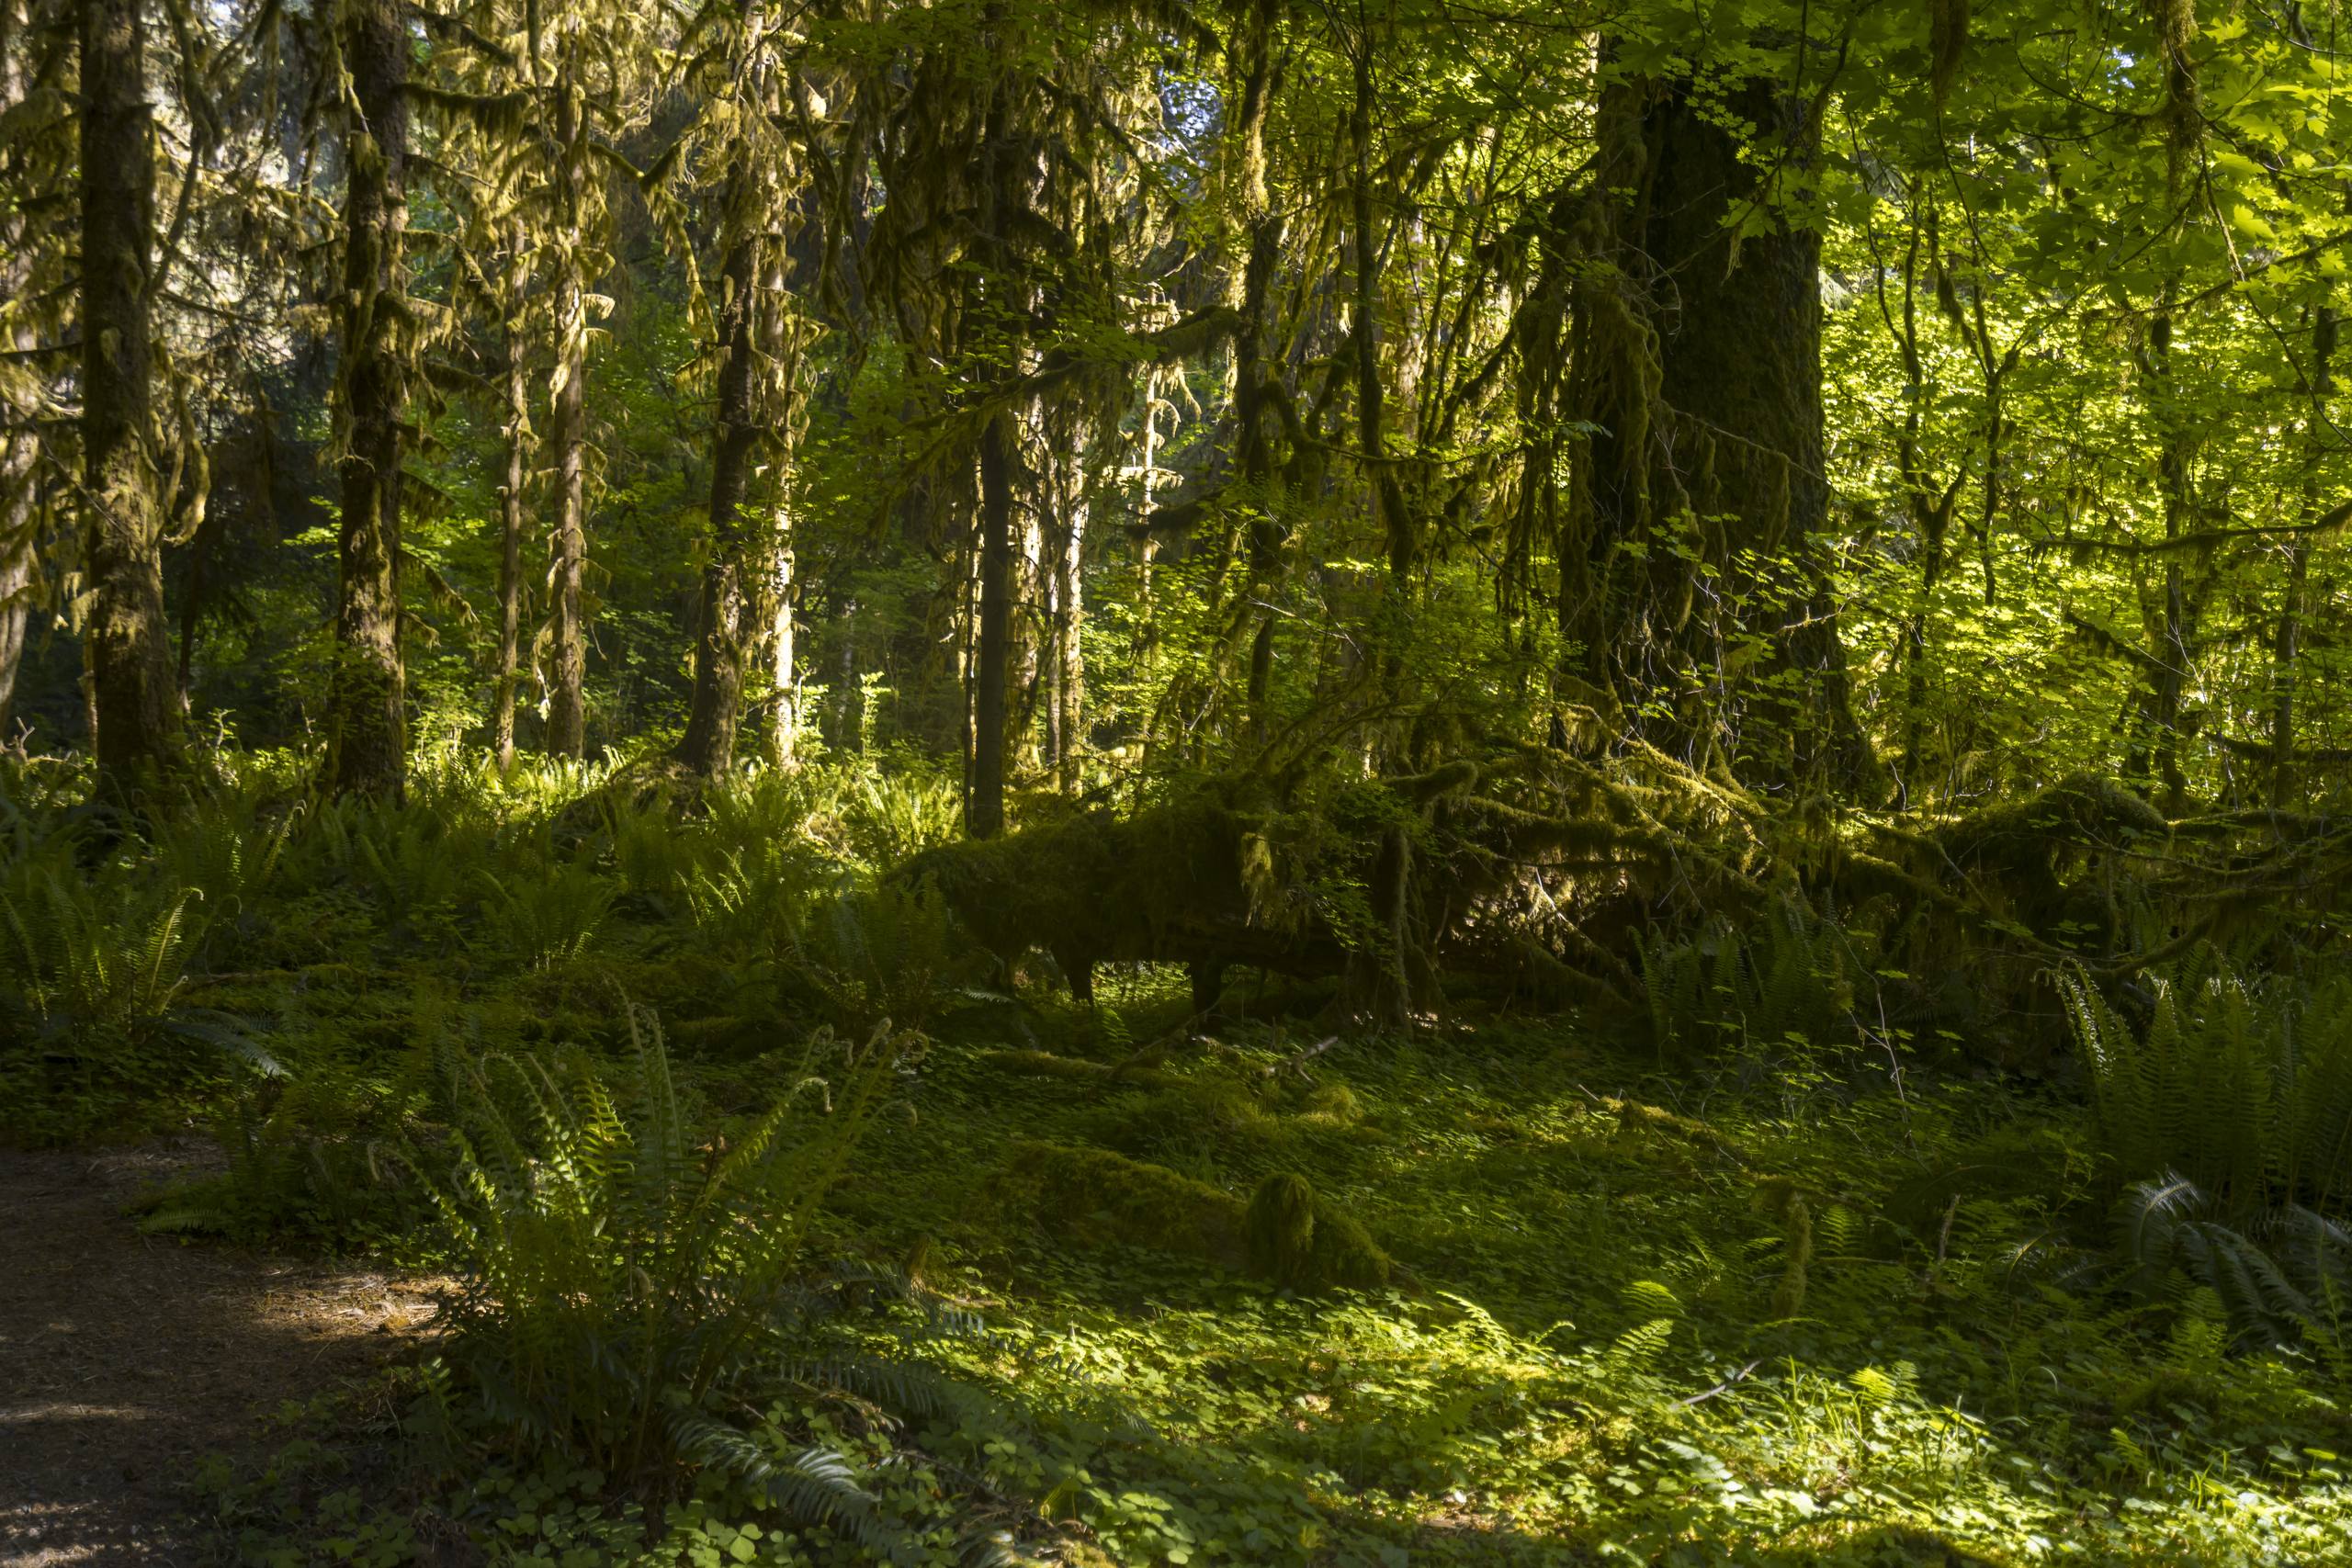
[(1765, 1262), (1132, 784)]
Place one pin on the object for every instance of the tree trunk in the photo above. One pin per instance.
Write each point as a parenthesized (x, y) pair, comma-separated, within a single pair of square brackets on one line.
[(510, 521), (368, 727), (997, 327), (566, 699), (708, 747), (200, 561), (124, 642), (1068, 546), (1031, 621), (784, 703), (984, 815), (1699, 361), (1260, 234), (19, 494), (2287, 650), (2176, 441)]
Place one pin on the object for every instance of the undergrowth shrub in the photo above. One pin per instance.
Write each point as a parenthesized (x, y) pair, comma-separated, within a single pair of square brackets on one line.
[(635, 1295), (94, 997), (312, 1156), (894, 811), (2229, 1117), (545, 917), (882, 952), (1790, 974)]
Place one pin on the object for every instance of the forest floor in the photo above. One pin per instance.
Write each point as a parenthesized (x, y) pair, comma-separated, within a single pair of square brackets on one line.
[(127, 1360), (1908, 1370)]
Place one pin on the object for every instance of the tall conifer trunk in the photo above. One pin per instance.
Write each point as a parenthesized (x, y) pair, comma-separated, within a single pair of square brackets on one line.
[(510, 523), (990, 705), (992, 608), (369, 727), (1700, 361), (566, 699), (708, 747), (124, 640), (18, 493)]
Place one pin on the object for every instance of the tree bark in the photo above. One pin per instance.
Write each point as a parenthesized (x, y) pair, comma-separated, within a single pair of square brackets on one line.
[(985, 813), (1068, 549), (124, 642), (19, 511), (510, 521), (368, 735), (1260, 234), (1700, 361), (708, 746), (2287, 651), (783, 703), (998, 324), (566, 699)]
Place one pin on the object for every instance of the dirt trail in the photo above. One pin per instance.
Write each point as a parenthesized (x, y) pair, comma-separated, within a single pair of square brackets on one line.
[(125, 1360)]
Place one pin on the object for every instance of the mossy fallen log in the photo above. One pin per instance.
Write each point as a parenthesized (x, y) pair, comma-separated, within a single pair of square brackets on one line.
[(1091, 1197), (1286, 1234), (1170, 884), (1077, 1069)]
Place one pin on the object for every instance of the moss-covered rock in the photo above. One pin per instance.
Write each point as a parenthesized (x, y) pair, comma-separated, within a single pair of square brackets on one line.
[(1213, 1118)]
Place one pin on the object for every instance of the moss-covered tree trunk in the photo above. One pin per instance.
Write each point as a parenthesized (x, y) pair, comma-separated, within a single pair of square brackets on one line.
[(1067, 548), (1260, 231), (368, 727), (708, 746), (18, 493), (18, 514), (19, 496), (992, 656), (2158, 763), (124, 640), (567, 421), (1000, 166), (514, 434), (2287, 647), (1701, 368), (784, 696)]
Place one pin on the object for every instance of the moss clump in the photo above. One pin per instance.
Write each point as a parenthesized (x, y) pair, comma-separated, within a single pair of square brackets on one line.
[(1286, 1234), (1303, 1243), (1183, 1120), (1334, 1105), (1281, 1229), (1093, 1196), (1077, 1069)]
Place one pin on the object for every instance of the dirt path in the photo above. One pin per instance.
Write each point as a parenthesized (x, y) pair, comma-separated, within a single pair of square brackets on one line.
[(125, 1360)]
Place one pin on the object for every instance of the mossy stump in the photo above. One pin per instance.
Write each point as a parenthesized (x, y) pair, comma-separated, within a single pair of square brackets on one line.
[(1303, 1243)]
